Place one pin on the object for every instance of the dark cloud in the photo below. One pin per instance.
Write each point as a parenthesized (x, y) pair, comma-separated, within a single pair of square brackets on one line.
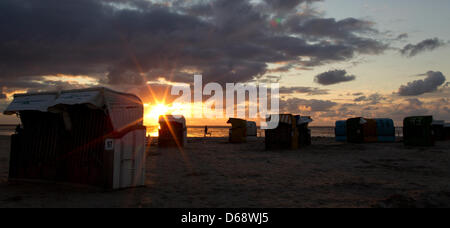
[(42, 83), (321, 28), (129, 42), (267, 79), (414, 102), (412, 50), (154, 93), (3, 101), (347, 33), (285, 68), (430, 84), (286, 5), (361, 98), (372, 99), (402, 36), (294, 105), (2, 95), (334, 77), (3, 106), (303, 90)]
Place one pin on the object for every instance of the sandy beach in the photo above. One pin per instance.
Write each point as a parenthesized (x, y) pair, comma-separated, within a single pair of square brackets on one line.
[(213, 173)]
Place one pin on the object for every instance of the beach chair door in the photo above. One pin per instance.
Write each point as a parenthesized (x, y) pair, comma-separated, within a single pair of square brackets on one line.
[(129, 160)]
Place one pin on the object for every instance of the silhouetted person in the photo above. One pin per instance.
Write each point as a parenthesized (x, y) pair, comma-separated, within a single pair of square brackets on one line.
[(206, 131)]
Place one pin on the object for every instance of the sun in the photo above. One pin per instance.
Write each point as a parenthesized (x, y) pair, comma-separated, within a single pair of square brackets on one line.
[(154, 112)]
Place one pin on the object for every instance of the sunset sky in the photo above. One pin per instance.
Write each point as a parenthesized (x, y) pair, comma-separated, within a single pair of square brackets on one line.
[(334, 59)]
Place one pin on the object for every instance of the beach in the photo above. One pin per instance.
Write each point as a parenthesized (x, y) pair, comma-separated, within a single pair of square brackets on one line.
[(213, 173)]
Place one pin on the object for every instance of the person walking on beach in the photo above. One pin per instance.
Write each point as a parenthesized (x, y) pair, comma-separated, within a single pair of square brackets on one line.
[(206, 131)]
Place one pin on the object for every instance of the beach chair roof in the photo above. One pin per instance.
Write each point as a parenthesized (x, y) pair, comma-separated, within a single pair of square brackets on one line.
[(438, 122), (237, 122), (361, 120), (172, 118), (283, 118), (304, 119), (251, 124), (124, 109)]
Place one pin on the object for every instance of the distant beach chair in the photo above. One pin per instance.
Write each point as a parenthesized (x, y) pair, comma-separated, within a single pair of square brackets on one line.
[(238, 130), (172, 132), (418, 131)]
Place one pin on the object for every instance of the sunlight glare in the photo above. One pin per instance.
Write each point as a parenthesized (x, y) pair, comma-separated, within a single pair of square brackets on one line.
[(154, 112)]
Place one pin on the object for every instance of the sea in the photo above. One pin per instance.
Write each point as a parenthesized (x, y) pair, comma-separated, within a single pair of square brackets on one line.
[(223, 131), (216, 131)]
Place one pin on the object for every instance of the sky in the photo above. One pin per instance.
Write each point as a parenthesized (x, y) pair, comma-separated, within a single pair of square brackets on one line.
[(334, 59)]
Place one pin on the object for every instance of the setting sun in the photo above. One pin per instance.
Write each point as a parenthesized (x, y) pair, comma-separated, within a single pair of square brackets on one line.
[(153, 113)]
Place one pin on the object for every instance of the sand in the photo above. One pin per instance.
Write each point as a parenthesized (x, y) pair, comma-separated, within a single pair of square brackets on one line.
[(213, 173)]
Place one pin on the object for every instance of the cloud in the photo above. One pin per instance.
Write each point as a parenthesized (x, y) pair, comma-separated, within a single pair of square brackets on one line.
[(416, 107), (402, 36), (430, 84), (348, 31), (267, 79), (286, 5), (284, 68), (295, 105), (412, 50), (334, 77), (133, 41), (361, 98), (414, 102), (326, 112), (304, 90), (2, 95), (373, 99)]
